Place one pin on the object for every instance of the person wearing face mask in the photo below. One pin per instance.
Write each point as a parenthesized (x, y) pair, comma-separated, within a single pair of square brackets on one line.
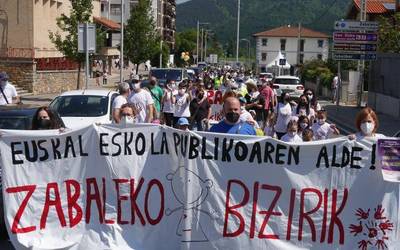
[(303, 124), (200, 110), (231, 123), (304, 109), (255, 102), (291, 135), (323, 130), (168, 106), (283, 113), (8, 93), (44, 118), (127, 115), (121, 99), (156, 93), (367, 124), (182, 102), (143, 102), (312, 99)]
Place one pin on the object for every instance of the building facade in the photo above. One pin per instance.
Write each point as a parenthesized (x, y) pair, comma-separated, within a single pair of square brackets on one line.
[(163, 12), (26, 51), (284, 42)]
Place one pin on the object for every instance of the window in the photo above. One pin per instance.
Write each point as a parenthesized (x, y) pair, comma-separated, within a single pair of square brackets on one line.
[(320, 43), (263, 56), (115, 9), (302, 42), (264, 41), (319, 56), (301, 58), (102, 7), (283, 44)]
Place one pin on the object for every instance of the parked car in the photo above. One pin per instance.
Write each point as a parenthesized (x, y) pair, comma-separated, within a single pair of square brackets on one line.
[(288, 84), (164, 74), (18, 117), (79, 108), (266, 76)]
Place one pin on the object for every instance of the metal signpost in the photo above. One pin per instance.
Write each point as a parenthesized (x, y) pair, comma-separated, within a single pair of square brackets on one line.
[(87, 44), (354, 40)]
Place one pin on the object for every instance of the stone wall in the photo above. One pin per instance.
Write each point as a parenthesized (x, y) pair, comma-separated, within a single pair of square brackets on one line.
[(56, 81), (19, 71)]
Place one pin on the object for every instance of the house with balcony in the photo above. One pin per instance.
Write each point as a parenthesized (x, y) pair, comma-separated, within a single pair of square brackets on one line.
[(296, 45)]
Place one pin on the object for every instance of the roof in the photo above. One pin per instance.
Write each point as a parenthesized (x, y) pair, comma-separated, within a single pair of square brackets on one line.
[(107, 23), (289, 31), (376, 6), (93, 92)]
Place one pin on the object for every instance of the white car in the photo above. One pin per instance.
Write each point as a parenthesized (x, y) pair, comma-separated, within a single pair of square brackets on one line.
[(288, 84), (79, 108), (266, 76)]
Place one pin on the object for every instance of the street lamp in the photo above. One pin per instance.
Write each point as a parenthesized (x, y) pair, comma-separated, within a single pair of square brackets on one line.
[(197, 35), (121, 57), (237, 32), (248, 48)]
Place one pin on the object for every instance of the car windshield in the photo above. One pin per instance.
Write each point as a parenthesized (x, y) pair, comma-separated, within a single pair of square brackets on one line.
[(287, 81), (167, 74), (15, 122), (80, 105)]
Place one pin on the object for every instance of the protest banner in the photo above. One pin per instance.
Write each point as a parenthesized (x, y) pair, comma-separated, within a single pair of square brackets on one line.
[(153, 187), (215, 99)]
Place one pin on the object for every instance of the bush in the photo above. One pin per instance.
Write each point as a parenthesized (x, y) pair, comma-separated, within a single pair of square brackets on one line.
[(314, 69)]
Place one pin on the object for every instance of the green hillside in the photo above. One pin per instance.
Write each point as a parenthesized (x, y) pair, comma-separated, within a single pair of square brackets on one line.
[(260, 15)]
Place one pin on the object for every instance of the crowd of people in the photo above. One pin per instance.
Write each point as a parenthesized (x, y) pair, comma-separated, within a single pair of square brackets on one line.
[(250, 106)]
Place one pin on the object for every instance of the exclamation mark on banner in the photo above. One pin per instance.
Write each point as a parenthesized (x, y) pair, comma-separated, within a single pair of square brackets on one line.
[(373, 157)]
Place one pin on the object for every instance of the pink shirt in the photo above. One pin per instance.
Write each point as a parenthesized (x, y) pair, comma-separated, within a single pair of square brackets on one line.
[(268, 94)]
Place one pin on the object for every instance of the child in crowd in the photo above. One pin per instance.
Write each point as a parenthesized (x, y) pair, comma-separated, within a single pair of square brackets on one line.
[(291, 135), (323, 130), (183, 124), (269, 126), (303, 123), (307, 135)]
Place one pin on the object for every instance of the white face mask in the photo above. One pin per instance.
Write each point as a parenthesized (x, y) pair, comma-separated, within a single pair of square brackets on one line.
[(367, 128), (136, 87), (127, 120), (309, 97), (303, 125), (321, 121), (292, 133)]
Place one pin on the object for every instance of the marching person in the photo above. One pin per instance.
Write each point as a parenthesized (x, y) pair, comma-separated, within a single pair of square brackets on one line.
[(182, 102), (127, 114), (334, 87), (367, 125), (291, 135), (323, 130), (283, 114), (44, 118), (231, 123), (143, 102), (121, 99), (312, 99), (8, 94), (168, 106), (200, 110), (156, 93)]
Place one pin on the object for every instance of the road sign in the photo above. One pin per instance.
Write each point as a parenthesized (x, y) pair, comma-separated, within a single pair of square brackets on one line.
[(354, 47), (350, 37), (354, 56), (213, 59), (356, 26), (282, 62), (91, 36)]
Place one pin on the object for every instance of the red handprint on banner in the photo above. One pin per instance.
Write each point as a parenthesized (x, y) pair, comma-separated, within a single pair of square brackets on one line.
[(371, 230), (356, 229), (363, 215), (378, 215)]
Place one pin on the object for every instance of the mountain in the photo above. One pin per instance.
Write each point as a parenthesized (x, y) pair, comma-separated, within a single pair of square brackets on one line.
[(259, 15)]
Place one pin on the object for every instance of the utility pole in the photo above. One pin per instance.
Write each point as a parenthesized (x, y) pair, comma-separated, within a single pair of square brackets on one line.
[(205, 45), (361, 63), (298, 45), (197, 44), (121, 55), (238, 32), (202, 44)]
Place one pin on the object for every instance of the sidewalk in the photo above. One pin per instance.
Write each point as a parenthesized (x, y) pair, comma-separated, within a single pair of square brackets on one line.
[(345, 116)]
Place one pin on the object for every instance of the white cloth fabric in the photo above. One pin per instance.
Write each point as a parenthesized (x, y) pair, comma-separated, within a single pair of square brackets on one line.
[(119, 101), (303, 111), (168, 106), (141, 100), (288, 138), (322, 132), (284, 113), (182, 106), (10, 92)]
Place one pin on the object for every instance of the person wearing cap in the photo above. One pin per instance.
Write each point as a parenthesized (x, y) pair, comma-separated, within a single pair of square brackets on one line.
[(183, 124), (143, 103), (231, 124), (121, 99), (8, 93)]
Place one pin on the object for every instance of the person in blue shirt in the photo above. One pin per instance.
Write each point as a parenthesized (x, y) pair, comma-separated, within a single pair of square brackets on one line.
[(231, 124)]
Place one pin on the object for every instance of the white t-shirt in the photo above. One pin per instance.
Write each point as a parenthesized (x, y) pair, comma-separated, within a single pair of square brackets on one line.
[(322, 132), (288, 138), (283, 113), (119, 101), (10, 92), (141, 100), (303, 111), (168, 106), (182, 106)]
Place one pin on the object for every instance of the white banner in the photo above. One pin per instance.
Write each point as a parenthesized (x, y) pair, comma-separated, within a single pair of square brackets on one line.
[(152, 187)]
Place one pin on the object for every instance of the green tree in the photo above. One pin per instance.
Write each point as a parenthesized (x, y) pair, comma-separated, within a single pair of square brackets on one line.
[(311, 70), (185, 41), (141, 39), (67, 41), (389, 33)]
